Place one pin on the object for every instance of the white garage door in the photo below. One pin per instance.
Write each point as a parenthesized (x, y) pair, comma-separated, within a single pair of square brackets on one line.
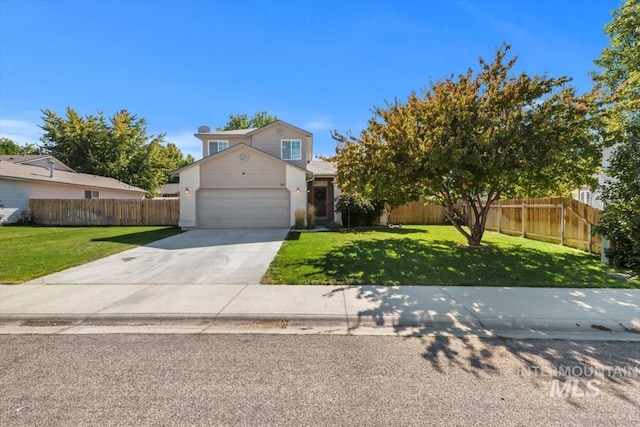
[(243, 208)]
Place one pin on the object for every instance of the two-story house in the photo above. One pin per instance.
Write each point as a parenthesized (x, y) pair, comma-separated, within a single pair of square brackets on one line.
[(255, 178)]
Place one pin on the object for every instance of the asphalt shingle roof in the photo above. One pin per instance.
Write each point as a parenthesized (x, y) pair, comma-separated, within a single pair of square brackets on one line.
[(11, 170)]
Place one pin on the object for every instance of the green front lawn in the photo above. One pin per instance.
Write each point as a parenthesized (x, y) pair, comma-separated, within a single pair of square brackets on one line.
[(433, 255), (28, 252)]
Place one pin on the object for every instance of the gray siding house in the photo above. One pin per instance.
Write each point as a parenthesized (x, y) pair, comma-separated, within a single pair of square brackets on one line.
[(24, 177)]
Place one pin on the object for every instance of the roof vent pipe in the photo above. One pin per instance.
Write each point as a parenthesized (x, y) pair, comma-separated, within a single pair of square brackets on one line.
[(51, 169)]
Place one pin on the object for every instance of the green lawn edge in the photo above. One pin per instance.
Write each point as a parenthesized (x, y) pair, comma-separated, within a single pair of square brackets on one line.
[(433, 255), (28, 251)]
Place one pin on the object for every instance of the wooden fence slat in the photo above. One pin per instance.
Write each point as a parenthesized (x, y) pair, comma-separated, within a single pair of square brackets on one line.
[(560, 220), (418, 213), (105, 211)]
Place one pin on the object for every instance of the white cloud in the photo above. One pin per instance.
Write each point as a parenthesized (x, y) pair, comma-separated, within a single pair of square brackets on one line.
[(318, 125), (186, 142), (20, 131)]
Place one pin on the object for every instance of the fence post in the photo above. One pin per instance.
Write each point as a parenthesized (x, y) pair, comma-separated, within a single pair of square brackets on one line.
[(590, 237), (499, 216), (524, 219), (562, 223)]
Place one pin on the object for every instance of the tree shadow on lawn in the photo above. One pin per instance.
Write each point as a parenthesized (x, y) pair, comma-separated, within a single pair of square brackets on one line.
[(405, 261)]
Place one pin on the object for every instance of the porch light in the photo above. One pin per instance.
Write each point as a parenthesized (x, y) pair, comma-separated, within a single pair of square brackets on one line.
[(298, 190), (186, 191)]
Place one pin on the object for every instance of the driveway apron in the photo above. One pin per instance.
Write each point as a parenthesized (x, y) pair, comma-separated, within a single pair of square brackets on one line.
[(202, 256)]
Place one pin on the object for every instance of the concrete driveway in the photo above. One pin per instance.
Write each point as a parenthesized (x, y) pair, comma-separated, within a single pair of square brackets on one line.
[(229, 256)]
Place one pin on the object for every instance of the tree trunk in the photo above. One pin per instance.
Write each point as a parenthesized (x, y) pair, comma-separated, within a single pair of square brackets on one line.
[(473, 216), (475, 237)]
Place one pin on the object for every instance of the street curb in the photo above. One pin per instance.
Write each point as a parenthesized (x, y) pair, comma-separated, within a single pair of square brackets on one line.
[(161, 318), (283, 323)]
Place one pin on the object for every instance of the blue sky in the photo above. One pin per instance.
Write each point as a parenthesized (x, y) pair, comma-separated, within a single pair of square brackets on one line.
[(319, 65)]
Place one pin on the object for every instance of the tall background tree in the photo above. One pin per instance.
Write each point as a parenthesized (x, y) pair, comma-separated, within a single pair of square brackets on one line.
[(243, 121), (619, 76), (472, 139), (118, 147)]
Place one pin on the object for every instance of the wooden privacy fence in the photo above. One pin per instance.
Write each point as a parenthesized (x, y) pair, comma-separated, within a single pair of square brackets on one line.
[(558, 220), (418, 213), (105, 211)]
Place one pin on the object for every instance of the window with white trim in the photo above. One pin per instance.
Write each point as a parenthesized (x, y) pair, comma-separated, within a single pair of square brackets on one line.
[(291, 149), (585, 196), (88, 194), (217, 146)]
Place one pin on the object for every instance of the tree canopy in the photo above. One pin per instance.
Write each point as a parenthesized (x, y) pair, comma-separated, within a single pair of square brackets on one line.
[(620, 66), (470, 139), (619, 76), (118, 147), (7, 146), (243, 121)]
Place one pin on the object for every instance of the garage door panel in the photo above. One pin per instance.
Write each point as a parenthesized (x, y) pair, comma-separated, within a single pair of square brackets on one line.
[(264, 203), (243, 208)]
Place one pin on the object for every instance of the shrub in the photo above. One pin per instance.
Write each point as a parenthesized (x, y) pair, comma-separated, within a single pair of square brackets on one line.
[(332, 225), (358, 210), (620, 220), (300, 217), (311, 216)]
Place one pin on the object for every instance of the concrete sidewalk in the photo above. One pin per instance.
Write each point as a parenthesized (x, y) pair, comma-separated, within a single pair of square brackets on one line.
[(590, 314)]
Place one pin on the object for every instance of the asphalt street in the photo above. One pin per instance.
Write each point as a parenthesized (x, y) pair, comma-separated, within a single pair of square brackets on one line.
[(247, 379)]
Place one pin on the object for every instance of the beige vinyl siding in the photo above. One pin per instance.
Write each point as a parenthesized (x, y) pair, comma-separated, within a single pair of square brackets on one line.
[(233, 140), (242, 168), (243, 208), (269, 141)]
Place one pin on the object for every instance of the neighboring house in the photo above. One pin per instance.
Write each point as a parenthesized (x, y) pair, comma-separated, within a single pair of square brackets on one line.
[(169, 190), (253, 178), (24, 177), (586, 194)]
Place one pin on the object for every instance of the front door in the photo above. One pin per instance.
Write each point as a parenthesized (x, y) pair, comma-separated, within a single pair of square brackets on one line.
[(320, 201)]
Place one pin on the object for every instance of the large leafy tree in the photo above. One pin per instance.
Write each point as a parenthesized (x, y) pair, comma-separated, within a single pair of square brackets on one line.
[(471, 139), (243, 121), (367, 170), (176, 160), (117, 147), (619, 76), (7, 146)]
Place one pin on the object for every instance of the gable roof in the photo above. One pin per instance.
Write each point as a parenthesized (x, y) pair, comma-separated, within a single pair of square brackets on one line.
[(26, 172), (235, 148), (251, 131), (32, 159), (232, 132), (279, 122), (322, 168)]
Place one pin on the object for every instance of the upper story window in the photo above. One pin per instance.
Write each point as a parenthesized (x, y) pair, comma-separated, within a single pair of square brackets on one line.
[(217, 146), (291, 149), (88, 194), (585, 196)]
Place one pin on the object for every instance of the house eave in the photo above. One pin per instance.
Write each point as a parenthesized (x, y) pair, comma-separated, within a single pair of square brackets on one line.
[(53, 181)]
